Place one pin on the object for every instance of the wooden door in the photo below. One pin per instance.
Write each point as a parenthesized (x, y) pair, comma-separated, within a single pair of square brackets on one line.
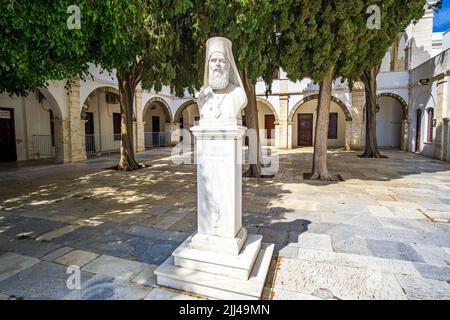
[(305, 130), (244, 123), (7, 135), (269, 125), (89, 132), (155, 124), (418, 130), (156, 139)]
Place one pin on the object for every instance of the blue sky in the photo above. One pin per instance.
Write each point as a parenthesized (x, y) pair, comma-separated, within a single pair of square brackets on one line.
[(442, 18)]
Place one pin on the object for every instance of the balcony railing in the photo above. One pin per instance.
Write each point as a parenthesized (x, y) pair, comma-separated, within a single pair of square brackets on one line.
[(157, 139), (43, 146)]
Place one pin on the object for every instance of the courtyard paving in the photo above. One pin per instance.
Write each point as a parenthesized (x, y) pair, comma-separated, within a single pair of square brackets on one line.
[(383, 233)]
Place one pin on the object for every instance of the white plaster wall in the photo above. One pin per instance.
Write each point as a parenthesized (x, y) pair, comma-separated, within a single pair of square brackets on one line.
[(89, 87), (175, 104), (403, 93), (30, 118), (447, 111), (274, 101), (422, 47), (423, 97), (155, 111), (389, 122), (264, 110), (446, 40), (172, 102), (58, 97), (386, 63), (310, 107), (103, 121), (294, 100), (189, 113)]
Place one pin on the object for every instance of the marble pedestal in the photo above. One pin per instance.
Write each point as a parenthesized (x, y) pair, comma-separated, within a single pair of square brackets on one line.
[(221, 260)]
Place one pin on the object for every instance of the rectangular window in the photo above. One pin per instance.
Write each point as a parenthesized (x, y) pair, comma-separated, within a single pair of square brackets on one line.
[(333, 126), (430, 125), (117, 120)]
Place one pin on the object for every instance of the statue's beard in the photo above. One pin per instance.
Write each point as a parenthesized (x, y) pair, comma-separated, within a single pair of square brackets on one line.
[(218, 80)]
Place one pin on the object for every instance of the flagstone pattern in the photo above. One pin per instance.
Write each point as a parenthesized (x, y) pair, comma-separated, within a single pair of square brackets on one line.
[(383, 233)]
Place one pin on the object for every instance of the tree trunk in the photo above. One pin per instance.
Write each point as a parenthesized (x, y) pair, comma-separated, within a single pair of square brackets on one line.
[(369, 79), (251, 117), (127, 89), (320, 169)]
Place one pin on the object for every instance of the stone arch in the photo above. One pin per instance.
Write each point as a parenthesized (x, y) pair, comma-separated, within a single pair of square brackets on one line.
[(104, 89), (88, 88), (270, 106), (399, 100), (61, 150), (161, 102), (182, 107), (399, 52), (56, 109), (348, 116)]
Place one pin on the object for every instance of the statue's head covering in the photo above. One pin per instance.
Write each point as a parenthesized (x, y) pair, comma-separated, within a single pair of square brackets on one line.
[(224, 46)]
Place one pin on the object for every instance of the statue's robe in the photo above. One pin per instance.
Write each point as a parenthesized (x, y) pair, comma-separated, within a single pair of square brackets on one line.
[(222, 106)]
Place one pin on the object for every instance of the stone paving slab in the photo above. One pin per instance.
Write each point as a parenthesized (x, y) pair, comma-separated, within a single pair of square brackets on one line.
[(166, 294), (315, 241), (147, 276), (57, 233), (386, 221), (117, 268), (108, 288), (56, 254), (11, 263), (393, 250), (29, 247), (432, 254), (281, 294), (42, 281), (417, 288), (30, 226), (156, 233), (77, 258), (341, 282)]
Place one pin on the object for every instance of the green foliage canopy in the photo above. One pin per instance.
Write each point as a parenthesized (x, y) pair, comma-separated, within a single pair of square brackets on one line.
[(36, 45)]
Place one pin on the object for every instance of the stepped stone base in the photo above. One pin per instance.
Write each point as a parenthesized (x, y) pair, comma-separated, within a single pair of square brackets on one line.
[(229, 246), (218, 275)]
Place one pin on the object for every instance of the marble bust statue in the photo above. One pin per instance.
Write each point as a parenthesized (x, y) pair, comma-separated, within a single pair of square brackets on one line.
[(222, 96)]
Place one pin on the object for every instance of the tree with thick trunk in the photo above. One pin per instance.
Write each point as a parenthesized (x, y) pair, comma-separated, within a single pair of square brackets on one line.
[(320, 169), (395, 18), (145, 42), (250, 26), (251, 119), (128, 81), (369, 78), (321, 43)]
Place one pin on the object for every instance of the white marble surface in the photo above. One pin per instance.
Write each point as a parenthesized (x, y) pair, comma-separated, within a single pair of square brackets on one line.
[(217, 262), (218, 286)]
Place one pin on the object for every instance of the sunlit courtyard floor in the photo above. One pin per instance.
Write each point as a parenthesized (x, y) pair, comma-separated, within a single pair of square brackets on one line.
[(383, 233)]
